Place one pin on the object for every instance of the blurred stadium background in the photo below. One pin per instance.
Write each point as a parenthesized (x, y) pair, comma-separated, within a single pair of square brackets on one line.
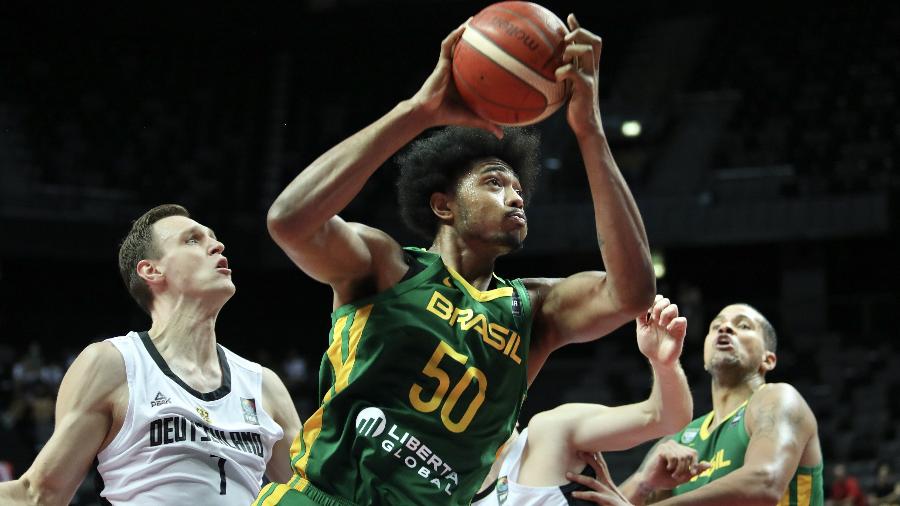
[(762, 143)]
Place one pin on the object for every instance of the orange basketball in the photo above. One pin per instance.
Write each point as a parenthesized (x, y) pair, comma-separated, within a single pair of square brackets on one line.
[(504, 64)]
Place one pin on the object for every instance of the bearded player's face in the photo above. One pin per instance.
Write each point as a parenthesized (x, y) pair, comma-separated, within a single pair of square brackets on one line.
[(488, 205)]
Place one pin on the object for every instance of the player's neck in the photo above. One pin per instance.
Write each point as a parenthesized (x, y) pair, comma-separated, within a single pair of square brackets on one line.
[(728, 396), (475, 265), (185, 333)]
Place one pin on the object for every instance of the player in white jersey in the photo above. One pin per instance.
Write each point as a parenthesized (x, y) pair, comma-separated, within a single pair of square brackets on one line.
[(172, 417), (532, 470)]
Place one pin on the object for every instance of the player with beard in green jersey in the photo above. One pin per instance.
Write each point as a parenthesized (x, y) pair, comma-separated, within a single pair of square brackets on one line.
[(430, 353)]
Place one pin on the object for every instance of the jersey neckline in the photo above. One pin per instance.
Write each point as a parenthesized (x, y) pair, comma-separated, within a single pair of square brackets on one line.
[(223, 390)]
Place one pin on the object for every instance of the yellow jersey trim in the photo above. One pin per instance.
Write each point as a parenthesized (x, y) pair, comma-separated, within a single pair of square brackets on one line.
[(706, 430), (477, 294)]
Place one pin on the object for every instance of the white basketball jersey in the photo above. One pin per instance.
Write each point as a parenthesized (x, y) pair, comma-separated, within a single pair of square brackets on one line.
[(180, 446), (507, 491)]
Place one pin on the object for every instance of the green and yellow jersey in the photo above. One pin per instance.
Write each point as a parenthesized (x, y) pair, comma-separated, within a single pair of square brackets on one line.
[(419, 387), (724, 448)]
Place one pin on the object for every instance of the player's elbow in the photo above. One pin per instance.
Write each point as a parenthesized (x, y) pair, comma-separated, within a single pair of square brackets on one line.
[(767, 484), (281, 222), (637, 297)]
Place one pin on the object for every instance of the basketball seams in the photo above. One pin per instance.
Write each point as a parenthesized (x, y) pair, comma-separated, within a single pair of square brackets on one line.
[(543, 112), (478, 41), (502, 65), (538, 28)]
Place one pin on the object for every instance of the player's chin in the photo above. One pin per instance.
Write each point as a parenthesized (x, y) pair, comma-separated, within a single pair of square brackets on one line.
[(513, 241)]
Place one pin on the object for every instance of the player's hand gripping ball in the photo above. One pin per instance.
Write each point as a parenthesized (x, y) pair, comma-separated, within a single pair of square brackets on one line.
[(504, 64)]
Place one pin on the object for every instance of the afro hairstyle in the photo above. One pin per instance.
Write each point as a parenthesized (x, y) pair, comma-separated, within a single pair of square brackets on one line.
[(436, 163)]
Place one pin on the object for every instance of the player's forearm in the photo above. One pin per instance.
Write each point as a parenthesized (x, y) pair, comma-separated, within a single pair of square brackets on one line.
[(327, 186), (636, 491), (743, 487), (670, 399), (620, 230)]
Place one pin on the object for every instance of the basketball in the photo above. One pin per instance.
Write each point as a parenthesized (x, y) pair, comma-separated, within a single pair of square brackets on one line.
[(504, 64)]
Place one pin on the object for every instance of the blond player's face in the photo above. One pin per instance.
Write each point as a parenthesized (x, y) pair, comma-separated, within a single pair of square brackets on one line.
[(192, 260), (735, 338), (489, 204)]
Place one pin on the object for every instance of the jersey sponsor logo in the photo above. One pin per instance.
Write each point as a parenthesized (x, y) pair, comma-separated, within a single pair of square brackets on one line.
[(689, 435), (493, 334), (248, 406), (160, 400), (204, 414), (409, 450), (370, 422), (178, 429)]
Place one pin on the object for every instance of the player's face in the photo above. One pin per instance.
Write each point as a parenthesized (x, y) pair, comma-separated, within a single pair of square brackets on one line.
[(489, 205), (192, 260), (735, 340)]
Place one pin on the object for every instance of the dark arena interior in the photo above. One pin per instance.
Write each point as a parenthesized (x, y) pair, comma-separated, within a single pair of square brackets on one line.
[(761, 142)]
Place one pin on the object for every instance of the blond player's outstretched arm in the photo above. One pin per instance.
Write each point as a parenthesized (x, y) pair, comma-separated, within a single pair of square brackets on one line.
[(303, 221), (90, 394), (278, 403), (557, 435)]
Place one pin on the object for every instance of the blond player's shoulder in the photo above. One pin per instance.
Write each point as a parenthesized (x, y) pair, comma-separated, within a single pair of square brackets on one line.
[(98, 370)]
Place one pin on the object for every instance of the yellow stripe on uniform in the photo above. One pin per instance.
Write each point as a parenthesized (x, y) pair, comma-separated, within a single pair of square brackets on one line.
[(334, 348), (271, 494), (313, 427), (477, 294), (356, 330), (706, 429), (804, 489), (786, 498)]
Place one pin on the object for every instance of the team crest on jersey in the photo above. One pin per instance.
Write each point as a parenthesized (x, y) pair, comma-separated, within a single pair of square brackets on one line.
[(204, 414), (249, 408), (159, 400), (502, 489), (689, 435)]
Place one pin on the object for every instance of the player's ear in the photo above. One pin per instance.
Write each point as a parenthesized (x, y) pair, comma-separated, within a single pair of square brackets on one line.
[(149, 272), (441, 206), (769, 361)]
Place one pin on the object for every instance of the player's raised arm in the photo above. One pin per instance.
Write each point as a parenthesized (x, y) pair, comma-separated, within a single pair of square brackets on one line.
[(303, 220), (588, 305), (593, 428), (83, 426)]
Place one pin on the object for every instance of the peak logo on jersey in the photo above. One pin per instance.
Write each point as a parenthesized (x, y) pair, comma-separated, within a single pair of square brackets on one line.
[(160, 400), (689, 435), (249, 408), (204, 414), (370, 422), (409, 450)]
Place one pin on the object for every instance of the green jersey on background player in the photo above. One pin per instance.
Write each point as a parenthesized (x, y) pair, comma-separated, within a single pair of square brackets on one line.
[(759, 445), (723, 447), (430, 354)]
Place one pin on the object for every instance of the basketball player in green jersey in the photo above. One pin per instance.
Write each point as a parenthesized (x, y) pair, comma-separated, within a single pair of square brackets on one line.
[(761, 440), (430, 353)]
